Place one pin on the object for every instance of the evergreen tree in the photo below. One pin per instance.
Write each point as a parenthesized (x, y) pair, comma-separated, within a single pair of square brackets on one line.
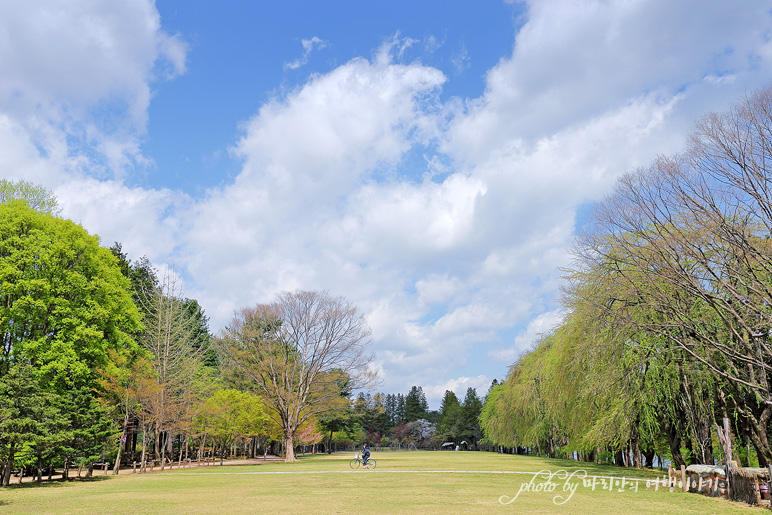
[(450, 417), (416, 406), (400, 416), (470, 417)]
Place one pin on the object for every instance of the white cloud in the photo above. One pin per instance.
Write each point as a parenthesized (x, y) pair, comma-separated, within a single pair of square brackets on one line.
[(574, 60), (82, 70), (450, 262), (309, 45), (524, 341), (448, 258), (459, 386)]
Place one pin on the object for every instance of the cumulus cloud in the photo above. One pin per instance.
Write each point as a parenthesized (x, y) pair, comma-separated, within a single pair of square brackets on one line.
[(83, 70), (454, 258), (458, 386), (74, 95), (524, 341), (283, 224), (448, 261)]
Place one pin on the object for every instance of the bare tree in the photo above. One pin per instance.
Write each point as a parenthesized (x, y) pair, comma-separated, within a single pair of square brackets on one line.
[(299, 353), (170, 335)]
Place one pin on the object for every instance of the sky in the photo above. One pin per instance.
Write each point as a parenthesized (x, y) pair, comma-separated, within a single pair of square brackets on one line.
[(431, 161)]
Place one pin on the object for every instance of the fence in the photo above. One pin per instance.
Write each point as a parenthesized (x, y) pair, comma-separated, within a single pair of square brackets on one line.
[(742, 484)]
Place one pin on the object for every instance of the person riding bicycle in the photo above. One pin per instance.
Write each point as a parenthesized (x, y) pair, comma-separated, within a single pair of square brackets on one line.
[(365, 454)]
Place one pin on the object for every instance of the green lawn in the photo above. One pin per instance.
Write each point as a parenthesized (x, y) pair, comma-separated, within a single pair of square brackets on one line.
[(404, 482)]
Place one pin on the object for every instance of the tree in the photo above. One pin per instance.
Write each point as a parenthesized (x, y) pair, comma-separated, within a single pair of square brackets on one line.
[(36, 197), (416, 406), (299, 353), (173, 337), (65, 302), (66, 311), (450, 414), (121, 382), (22, 412), (90, 430), (229, 414), (668, 309), (421, 432)]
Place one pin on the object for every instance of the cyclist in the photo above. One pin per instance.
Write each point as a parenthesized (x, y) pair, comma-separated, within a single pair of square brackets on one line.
[(365, 454)]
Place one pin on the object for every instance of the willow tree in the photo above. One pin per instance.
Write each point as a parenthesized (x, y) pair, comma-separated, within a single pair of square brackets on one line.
[(298, 353), (689, 237)]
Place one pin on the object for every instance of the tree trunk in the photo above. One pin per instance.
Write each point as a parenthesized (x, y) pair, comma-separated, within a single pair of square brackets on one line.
[(674, 441), (619, 460), (9, 466), (758, 432), (156, 444), (289, 450), (165, 437), (201, 449), (649, 458), (121, 443), (635, 447), (143, 461)]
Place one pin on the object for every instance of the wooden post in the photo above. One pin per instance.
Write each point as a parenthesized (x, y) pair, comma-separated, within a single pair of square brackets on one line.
[(684, 483), (757, 490)]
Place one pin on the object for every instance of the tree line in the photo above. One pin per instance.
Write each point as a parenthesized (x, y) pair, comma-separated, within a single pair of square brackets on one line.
[(104, 358), (668, 309), (405, 421)]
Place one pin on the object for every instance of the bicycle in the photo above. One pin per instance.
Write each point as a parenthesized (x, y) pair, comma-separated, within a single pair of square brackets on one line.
[(357, 461)]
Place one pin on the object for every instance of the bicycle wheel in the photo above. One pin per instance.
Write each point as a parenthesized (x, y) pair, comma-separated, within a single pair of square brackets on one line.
[(370, 464), (354, 464)]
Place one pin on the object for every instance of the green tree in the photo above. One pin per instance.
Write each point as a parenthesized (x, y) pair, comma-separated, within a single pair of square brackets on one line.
[(65, 302), (172, 336), (470, 417), (229, 414), (36, 197), (91, 433), (416, 406), (23, 412), (65, 308), (450, 417)]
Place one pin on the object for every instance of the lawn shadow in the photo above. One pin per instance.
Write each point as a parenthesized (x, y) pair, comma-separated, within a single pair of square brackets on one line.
[(58, 483)]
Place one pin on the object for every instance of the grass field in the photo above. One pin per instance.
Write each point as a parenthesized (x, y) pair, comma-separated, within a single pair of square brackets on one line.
[(404, 482)]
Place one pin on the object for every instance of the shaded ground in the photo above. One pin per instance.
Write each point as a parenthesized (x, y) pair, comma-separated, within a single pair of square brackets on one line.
[(130, 469)]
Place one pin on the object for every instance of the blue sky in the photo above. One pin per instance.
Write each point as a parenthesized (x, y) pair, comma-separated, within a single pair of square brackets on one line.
[(241, 54), (430, 161)]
